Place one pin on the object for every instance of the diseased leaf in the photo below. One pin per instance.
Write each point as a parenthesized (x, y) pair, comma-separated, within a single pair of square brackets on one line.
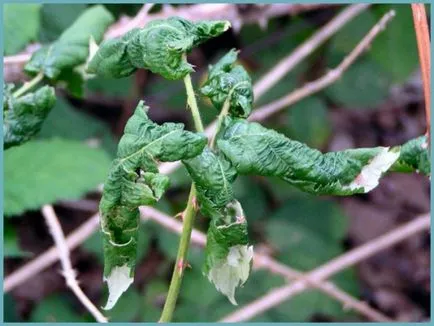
[(21, 25), (160, 47), (254, 149), (229, 82), (44, 171), (213, 176), (72, 48), (228, 254), (134, 180), (23, 116), (414, 157)]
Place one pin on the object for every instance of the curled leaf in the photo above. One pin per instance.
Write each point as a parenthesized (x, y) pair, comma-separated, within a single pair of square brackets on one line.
[(23, 116), (160, 47), (61, 59), (213, 176), (228, 255), (229, 82), (414, 157), (133, 181), (254, 149)]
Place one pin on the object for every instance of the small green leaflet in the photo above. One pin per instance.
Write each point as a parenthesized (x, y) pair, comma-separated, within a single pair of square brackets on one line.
[(213, 176), (23, 116), (254, 149), (160, 46), (228, 254), (133, 181), (62, 59), (229, 82)]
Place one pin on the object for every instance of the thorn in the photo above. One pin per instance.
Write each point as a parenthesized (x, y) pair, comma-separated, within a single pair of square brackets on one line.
[(180, 216), (240, 219), (194, 202), (187, 265)]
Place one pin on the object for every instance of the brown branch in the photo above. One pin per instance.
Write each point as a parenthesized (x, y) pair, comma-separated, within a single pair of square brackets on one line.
[(13, 65), (326, 80), (306, 48), (276, 297), (423, 47), (261, 261), (67, 271)]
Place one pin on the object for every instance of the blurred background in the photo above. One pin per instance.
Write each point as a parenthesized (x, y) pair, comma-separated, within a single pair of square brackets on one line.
[(378, 102)]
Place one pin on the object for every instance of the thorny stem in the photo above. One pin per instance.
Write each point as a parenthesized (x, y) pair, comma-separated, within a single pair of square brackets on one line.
[(222, 115), (181, 261), (423, 46), (188, 221), (28, 85)]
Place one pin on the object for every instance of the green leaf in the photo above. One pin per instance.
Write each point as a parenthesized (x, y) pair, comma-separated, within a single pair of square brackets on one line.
[(254, 149), (160, 47), (414, 156), (23, 116), (229, 82), (55, 308), (55, 18), (213, 176), (395, 49), (228, 255), (42, 172), (154, 295), (133, 181), (309, 122), (66, 122), (72, 48), (21, 25)]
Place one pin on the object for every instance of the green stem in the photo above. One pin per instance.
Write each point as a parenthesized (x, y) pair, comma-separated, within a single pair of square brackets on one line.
[(191, 100), (223, 113), (29, 85), (181, 261), (188, 220)]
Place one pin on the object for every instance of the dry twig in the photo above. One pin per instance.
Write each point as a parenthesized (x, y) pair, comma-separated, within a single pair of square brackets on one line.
[(67, 271), (423, 46), (332, 267), (13, 65), (326, 80)]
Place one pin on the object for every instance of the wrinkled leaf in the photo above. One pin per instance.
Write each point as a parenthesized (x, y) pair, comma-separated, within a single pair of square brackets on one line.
[(18, 34), (71, 50), (160, 47), (229, 82), (213, 176), (44, 171), (254, 149), (134, 180), (228, 254), (414, 157), (23, 116)]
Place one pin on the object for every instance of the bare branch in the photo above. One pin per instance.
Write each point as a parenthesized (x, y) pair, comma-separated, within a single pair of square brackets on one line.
[(423, 46), (261, 261), (332, 267), (51, 255), (68, 272), (326, 80), (306, 48), (13, 65)]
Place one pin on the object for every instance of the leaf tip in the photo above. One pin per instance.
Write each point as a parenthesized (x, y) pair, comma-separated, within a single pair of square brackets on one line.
[(118, 282)]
